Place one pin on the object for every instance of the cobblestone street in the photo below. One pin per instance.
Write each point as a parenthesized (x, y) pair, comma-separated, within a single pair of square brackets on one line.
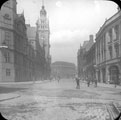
[(61, 101)]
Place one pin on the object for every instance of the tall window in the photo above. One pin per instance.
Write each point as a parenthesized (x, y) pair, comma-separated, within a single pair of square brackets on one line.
[(7, 57), (117, 49), (110, 51), (117, 31), (110, 34), (8, 72), (7, 37)]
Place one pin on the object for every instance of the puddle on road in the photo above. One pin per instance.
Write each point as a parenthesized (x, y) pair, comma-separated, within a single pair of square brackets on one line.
[(57, 109)]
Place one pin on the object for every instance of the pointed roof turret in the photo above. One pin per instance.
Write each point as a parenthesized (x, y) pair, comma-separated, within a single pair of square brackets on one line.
[(43, 11)]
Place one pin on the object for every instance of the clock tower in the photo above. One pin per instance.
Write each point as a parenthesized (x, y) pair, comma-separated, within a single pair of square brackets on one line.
[(43, 32)]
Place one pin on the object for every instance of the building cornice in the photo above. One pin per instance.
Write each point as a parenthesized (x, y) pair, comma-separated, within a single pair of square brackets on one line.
[(108, 22)]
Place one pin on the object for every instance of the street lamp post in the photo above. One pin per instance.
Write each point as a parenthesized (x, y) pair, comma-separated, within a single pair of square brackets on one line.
[(3, 45)]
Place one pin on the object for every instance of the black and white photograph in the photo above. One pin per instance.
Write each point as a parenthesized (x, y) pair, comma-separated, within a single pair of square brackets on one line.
[(60, 60)]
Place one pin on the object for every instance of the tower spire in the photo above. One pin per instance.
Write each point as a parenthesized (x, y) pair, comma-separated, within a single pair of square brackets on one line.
[(42, 2)]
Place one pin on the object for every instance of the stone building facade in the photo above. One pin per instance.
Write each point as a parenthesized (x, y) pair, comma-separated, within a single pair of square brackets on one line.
[(86, 59), (63, 69), (108, 50), (23, 51), (20, 60), (105, 54), (7, 32), (39, 53)]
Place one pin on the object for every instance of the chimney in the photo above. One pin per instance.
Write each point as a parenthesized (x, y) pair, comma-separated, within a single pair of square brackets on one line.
[(91, 38)]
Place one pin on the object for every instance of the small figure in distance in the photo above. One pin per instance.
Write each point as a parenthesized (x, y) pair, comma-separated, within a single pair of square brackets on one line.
[(77, 82), (58, 79), (88, 81), (95, 80)]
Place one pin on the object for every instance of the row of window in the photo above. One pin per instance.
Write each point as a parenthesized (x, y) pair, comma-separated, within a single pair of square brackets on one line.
[(116, 50), (8, 72), (103, 53), (43, 26)]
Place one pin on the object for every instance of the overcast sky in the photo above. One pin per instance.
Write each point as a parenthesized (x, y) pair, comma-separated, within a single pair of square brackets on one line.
[(71, 22)]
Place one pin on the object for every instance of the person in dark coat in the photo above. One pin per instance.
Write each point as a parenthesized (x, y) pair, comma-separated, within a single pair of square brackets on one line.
[(95, 80), (88, 81), (77, 82)]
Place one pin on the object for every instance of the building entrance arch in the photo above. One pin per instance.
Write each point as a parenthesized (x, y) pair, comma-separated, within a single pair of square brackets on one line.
[(114, 74)]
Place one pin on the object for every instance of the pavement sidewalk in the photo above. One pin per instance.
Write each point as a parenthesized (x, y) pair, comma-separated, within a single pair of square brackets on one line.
[(106, 85), (109, 85), (9, 96), (30, 82)]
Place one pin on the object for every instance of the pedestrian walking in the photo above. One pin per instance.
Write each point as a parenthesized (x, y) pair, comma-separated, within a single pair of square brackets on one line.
[(77, 82), (88, 81), (95, 80), (58, 79), (51, 78)]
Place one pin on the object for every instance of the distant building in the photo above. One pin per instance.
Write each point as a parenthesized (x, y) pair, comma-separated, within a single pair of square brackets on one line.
[(63, 69), (86, 58)]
